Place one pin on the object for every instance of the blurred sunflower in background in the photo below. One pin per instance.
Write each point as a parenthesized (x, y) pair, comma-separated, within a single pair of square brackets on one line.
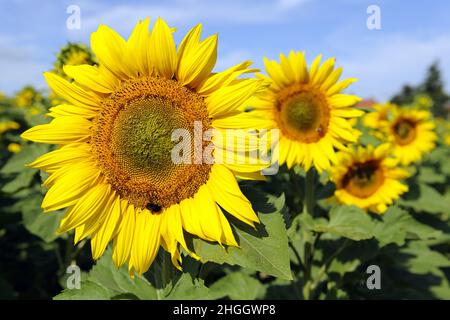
[(14, 147), (8, 125), (368, 178), (72, 54), (113, 169), (307, 105), (379, 115), (28, 97), (423, 101), (411, 133)]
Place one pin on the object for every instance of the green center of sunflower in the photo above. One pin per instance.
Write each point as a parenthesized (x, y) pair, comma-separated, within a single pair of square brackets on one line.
[(404, 131), (364, 178), (303, 113), (132, 139)]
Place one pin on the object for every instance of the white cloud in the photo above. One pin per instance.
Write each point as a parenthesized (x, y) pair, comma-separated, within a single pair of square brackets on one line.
[(187, 12), (384, 66)]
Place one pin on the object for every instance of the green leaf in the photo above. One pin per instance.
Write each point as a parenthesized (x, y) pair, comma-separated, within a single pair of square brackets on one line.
[(398, 225), (22, 180), (27, 155), (106, 281), (238, 286), (263, 249), (349, 222), (187, 288), (43, 225), (429, 175), (424, 260), (423, 198), (89, 291)]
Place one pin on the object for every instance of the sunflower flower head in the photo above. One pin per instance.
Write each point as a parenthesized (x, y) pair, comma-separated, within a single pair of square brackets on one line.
[(368, 178), (113, 170), (411, 133), (307, 106), (27, 97)]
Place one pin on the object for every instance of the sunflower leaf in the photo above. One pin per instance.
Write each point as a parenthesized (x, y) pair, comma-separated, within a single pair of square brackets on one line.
[(349, 222), (423, 198), (397, 226), (106, 282), (29, 153), (238, 286)]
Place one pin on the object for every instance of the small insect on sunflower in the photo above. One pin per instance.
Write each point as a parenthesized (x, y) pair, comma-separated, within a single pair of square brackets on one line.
[(308, 108), (368, 178), (411, 133), (114, 171)]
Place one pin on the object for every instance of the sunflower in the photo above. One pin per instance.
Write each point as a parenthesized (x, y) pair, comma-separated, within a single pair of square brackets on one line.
[(379, 115), (27, 97), (113, 168), (14, 147), (308, 108), (368, 178), (411, 132)]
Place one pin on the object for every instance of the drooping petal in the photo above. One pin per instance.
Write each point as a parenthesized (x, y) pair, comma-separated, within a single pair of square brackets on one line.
[(146, 240), (107, 229), (123, 242)]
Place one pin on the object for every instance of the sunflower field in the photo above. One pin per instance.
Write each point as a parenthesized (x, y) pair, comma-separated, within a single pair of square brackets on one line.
[(92, 207)]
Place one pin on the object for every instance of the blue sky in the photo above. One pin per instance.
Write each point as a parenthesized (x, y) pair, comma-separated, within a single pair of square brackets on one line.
[(412, 35)]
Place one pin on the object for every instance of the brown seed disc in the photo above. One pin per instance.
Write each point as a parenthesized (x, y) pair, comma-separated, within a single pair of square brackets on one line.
[(302, 113), (132, 141)]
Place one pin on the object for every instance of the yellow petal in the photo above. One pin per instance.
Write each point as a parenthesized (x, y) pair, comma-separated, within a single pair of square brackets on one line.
[(124, 240), (343, 100), (228, 195), (162, 51), (224, 78), (197, 62), (70, 186), (62, 130), (146, 240), (137, 49), (72, 110), (110, 48), (107, 229), (231, 99), (91, 204), (68, 154), (72, 92)]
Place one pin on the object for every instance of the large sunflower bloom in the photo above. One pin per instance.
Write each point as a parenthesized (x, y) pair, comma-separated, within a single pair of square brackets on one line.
[(308, 108), (113, 169), (368, 178), (411, 132)]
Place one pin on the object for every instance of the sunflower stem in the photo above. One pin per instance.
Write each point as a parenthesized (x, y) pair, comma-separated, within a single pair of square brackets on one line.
[(308, 208), (310, 184)]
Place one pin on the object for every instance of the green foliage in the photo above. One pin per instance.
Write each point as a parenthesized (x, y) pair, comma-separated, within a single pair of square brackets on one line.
[(349, 222), (291, 254), (105, 281)]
